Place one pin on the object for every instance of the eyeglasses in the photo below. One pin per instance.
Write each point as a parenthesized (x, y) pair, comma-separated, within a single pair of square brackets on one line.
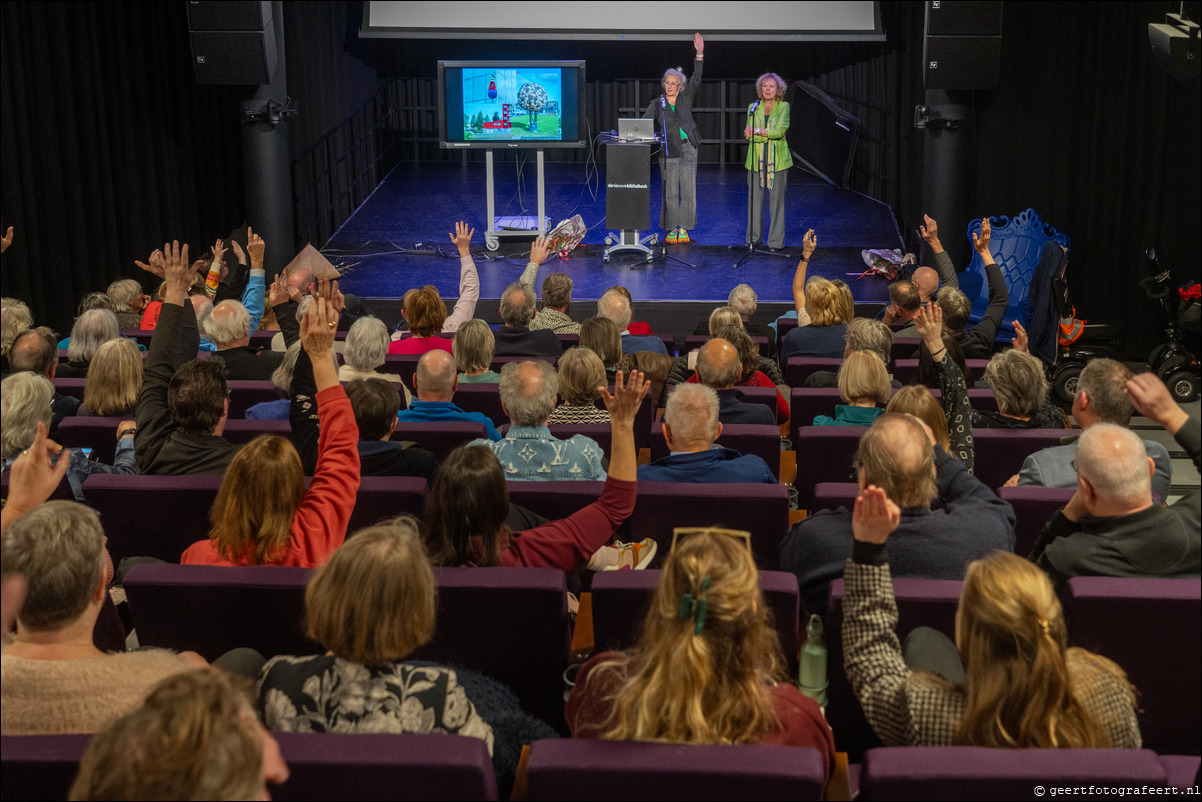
[(687, 531), (672, 84)]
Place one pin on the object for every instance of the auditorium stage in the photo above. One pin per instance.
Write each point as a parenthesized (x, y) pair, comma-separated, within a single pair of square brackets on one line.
[(419, 203)]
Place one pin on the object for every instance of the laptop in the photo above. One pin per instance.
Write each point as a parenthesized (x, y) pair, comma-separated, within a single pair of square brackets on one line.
[(636, 129)]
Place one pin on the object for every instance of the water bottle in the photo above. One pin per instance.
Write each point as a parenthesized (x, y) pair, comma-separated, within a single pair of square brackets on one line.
[(812, 674)]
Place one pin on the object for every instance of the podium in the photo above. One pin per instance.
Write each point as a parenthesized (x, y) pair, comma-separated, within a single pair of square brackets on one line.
[(628, 197)]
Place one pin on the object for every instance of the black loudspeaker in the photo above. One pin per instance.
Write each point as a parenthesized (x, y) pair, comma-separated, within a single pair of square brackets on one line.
[(823, 135), (963, 44), (232, 42), (628, 186), (1175, 47)]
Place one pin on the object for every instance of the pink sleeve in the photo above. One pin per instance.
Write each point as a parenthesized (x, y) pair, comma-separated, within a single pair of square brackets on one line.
[(568, 543), (469, 293), (321, 520)]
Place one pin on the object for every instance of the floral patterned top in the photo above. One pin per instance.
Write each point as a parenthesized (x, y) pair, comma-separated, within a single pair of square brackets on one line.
[(329, 694)]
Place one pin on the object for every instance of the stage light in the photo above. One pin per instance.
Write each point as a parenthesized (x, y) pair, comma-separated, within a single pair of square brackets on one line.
[(1175, 46)]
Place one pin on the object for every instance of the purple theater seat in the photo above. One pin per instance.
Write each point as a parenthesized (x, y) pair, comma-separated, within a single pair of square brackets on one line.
[(579, 768), (63, 491), (70, 387), (241, 430), (384, 766), (805, 403), (403, 365), (920, 603), (140, 336), (1033, 507), (1000, 452), (824, 454), (799, 368), (440, 437), (621, 599), (694, 341), (833, 495), (783, 326), (130, 509), (642, 419), (748, 395), (747, 438), (262, 339), (906, 370), (244, 394), (1151, 628), (904, 348), (40, 766), (977, 772), (568, 340), (1181, 771), (508, 623), (98, 434), (499, 362), (485, 398), (554, 500), (212, 609)]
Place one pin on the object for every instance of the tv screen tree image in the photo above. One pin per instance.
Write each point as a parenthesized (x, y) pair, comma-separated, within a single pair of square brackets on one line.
[(533, 99)]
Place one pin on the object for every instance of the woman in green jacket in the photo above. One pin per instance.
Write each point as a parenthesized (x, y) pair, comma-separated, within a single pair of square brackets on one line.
[(768, 160)]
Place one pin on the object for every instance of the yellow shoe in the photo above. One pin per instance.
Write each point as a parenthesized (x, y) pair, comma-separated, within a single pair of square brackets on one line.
[(683, 237), (671, 238)]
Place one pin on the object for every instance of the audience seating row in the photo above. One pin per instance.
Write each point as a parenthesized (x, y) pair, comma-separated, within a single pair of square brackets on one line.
[(747, 438), (905, 370), (806, 403), (1150, 627)]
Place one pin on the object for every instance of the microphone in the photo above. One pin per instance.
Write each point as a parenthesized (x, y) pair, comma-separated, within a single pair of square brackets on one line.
[(663, 102), (754, 106)]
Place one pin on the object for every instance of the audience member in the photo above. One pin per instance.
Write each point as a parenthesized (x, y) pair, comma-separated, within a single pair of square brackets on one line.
[(515, 337), (690, 428), (195, 737), (1019, 686), (54, 679), (635, 327), (131, 301), (863, 384), (25, 400), (528, 451), (924, 279), (469, 502), (282, 378), (363, 352), (905, 300), (977, 342), (757, 371), (435, 382), (34, 350), (898, 455), (229, 328), (1100, 397), (426, 314), (473, 348), (581, 375), (602, 336), (719, 368), (375, 403), (1021, 388), (557, 293), (743, 301), (92, 329), (114, 379), (862, 335), (1112, 526), (615, 306), (15, 318), (707, 668), (823, 312)]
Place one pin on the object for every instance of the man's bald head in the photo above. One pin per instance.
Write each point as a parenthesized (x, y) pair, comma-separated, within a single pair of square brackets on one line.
[(36, 351), (927, 281), (436, 376), (528, 391), (300, 279), (718, 364), (1113, 462), (896, 456)]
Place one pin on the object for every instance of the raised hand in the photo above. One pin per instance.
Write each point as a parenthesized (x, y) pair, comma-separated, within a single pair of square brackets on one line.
[(1019, 340), (1152, 399), (540, 249), (929, 324), (33, 478), (177, 272), (239, 254), (875, 516), (981, 242), (317, 329), (277, 293), (698, 43), (809, 243), (930, 230), (6, 240), (255, 247), (156, 264), (463, 238), (626, 398)]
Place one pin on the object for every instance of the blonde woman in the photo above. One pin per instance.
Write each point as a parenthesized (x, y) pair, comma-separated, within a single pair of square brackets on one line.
[(823, 310), (580, 374), (473, 349), (1021, 686), (708, 667), (114, 379), (863, 384)]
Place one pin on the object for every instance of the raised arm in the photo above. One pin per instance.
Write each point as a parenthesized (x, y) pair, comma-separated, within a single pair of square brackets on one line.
[(469, 280), (539, 251), (999, 294), (952, 386), (253, 298), (153, 414), (33, 478), (808, 243), (698, 64)]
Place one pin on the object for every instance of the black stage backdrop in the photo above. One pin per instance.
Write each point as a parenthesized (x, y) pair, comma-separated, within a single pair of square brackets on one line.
[(109, 147)]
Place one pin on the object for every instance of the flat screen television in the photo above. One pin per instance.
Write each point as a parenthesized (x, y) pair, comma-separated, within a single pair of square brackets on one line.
[(511, 104)]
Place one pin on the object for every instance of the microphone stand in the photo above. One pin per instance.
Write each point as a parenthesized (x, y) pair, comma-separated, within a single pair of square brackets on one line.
[(663, 193), (751, 249)]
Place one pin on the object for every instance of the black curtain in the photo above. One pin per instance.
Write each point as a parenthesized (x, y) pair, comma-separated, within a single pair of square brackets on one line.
[(109, 148)]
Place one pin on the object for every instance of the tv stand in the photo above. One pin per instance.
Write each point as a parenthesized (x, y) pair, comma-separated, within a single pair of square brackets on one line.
[(507, 227)]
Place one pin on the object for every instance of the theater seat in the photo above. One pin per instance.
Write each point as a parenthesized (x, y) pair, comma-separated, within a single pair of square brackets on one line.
[(1033, 507), (747, 438)]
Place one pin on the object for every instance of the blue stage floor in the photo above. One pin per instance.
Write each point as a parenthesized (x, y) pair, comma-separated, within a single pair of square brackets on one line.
[(419, 203)]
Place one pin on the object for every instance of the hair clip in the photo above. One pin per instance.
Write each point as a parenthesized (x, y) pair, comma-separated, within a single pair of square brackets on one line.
[(695, 608), (1045, 625)]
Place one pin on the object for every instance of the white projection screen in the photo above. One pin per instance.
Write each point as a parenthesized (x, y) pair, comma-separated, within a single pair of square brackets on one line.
[(631, 21)]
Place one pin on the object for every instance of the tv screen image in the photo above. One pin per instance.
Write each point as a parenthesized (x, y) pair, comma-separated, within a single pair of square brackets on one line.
[(511, 104)]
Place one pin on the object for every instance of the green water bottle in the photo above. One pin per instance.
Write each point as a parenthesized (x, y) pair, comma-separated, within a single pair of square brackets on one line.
[(812, 674)]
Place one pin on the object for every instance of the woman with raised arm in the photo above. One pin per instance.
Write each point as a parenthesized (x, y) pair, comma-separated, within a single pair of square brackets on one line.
[(768, 160), (823, 312), (1021, 686)]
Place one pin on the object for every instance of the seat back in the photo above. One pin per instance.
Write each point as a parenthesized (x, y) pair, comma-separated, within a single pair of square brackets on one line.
[(63, 491), (1000, 452), (439, 437), (484, 397), (98, 434), (70, 387), (642, 418), (40, 766), (747, 438), (244, 394), (580, 768), (978, 772), (621, 600), (920, 603), (799, 368), (384, 766), (1033, 507), (1151, 628), (904, 348), (242, 430), (403, 365), (568, 340), (694, 341), (906, 370), (824, 454), (805, 403)]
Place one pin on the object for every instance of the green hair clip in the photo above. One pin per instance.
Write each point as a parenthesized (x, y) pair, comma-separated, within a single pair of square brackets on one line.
[(695, 608)]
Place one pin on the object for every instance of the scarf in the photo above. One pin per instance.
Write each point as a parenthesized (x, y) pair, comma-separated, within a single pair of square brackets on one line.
[(765, 152)]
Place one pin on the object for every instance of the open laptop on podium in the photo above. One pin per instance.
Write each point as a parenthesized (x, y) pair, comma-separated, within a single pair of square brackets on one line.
[(636, 129)]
